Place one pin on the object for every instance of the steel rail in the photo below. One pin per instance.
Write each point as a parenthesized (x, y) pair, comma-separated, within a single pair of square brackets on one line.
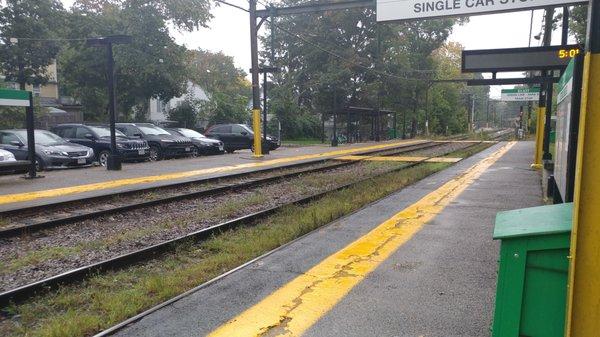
[(79, 216), (24, 292)]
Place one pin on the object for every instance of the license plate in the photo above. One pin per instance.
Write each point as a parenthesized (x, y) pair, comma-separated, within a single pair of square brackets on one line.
[(81, 161), (142, 151), (187, 149)]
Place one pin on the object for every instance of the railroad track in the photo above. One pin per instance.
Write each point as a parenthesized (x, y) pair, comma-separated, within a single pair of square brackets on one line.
[(60, 217), (76, 275)]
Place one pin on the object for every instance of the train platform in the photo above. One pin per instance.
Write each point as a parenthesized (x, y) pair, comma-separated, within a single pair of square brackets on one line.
[(420, 262), (73, 184)]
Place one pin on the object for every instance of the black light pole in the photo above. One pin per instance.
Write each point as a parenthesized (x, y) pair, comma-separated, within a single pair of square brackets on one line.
[(334, 140), (114, 160)]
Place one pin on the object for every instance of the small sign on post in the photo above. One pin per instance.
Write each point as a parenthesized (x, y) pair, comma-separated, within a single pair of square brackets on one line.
[(521, 94), (22, 98)]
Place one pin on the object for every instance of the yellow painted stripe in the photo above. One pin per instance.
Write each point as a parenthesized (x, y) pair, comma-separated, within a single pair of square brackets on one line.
[(292, 309), (28, 196), (403, 159), (466, 141)]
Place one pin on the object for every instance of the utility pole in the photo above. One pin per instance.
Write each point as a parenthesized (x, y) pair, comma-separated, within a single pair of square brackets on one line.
[(114, 160), (255, 80), (334, 140), (549, 86)]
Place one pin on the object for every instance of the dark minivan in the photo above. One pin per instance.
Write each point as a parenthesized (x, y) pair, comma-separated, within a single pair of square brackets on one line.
[(162, 143), (237, 137), (98, 138)]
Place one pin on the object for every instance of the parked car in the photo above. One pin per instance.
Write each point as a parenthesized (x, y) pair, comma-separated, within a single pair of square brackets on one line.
[(98, 138), (237, 137), (204, 144), (51, 151), (9, 164), (162, 143)]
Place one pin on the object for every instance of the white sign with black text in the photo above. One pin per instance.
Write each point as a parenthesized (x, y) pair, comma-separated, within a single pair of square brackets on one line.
[(393, 10)]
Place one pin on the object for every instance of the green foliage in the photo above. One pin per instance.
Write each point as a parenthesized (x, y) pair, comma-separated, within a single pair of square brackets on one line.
[(185, 114), (153, 65), (228, 88), (578, 22), (370, 63), (24, 61)]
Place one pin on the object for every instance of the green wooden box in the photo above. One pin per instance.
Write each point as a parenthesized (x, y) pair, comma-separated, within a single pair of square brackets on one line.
[(532, 277)]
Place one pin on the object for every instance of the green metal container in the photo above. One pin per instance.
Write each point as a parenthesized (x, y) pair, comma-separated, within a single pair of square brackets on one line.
[(532, 278)]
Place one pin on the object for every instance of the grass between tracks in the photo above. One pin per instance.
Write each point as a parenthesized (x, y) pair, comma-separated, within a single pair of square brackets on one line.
[(107, 299)]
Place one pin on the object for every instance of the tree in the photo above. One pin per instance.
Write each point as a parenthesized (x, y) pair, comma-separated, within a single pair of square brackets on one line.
[(153, 65), (25, 51), (228, 88)]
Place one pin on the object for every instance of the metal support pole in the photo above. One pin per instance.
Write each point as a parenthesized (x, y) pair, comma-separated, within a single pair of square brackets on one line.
[(114, 160), (255, 84), (265, 107), (334, 140), (395, 125), (472, 113), (547, 125), (565, 26), (31, 137), (584, 284), (427, 110), (404, 124), (348, 137), (539, 131)]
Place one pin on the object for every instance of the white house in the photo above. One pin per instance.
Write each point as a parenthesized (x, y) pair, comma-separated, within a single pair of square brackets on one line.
[(158, 110)]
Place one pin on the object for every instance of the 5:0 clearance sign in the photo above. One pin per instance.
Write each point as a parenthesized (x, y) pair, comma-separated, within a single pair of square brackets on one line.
[(394, 10)]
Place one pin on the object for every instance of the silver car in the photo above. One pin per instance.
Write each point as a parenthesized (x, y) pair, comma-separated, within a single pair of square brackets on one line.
[(51, 151)]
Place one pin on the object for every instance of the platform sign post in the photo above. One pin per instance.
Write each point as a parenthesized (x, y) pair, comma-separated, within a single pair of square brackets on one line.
[(22, 98)]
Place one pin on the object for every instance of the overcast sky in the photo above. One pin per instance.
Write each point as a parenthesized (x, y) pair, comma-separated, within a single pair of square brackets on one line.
[(229, 33)]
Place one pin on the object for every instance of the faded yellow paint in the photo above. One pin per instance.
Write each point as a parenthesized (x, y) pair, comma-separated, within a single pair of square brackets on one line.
[(295, 307), (28, 196), (403, 159), (583, 300)]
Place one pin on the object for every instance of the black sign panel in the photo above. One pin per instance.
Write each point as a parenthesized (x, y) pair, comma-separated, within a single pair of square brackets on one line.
[(518, 59)]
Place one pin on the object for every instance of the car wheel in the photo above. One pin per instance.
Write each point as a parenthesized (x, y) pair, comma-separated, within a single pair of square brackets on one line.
[(39, 164), (155, 153), (195, 152), (103, 157)]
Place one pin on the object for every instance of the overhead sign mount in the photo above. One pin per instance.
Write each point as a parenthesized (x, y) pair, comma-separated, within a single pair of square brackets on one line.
[(394, 10)]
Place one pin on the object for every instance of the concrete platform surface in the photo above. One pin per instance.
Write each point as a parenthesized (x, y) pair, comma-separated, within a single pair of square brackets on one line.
[(440, 282), (72, 184)]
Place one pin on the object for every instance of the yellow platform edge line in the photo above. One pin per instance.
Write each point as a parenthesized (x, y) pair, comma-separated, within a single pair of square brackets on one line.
[(403, 159), (296, 306), (34, 195)]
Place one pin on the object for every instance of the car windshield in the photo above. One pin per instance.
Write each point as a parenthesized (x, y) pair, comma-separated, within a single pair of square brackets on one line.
[(149, 129), (42, 137), (191, 133), (103, 131), (247, 128)]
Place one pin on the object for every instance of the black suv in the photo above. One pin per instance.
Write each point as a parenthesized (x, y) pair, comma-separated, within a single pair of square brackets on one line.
[(98, 138), (237, 137), (162, 143), (204, 144)]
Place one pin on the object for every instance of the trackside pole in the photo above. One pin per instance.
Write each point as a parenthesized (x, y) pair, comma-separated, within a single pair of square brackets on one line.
[(31, 137), (255, 84), (539, 137), (584, 269)]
